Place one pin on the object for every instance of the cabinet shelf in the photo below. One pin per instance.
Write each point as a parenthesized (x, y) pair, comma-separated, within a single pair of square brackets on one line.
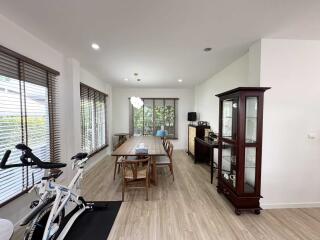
[(248, 188), (229, 140)]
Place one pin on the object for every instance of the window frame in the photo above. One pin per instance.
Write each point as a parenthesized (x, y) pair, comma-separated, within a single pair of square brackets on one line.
[(175, 104), (94, 152), (54, 130)]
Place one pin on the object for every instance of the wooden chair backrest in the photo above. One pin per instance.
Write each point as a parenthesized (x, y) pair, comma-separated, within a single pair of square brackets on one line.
[(166, 145), (170, 150), (133, 165)]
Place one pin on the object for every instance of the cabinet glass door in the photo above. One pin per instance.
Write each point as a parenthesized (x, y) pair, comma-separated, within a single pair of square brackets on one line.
[(251, 139), (229, 164), (229, 118), (251, 119), (250, 170)]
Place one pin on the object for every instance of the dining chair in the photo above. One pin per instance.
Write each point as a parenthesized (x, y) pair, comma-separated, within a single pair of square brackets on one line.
[(117, 163), (166, 160), (136, 170), (166, 144)]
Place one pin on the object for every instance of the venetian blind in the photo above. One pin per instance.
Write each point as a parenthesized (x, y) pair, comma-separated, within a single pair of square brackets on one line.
[(27, 115), (93, 119)]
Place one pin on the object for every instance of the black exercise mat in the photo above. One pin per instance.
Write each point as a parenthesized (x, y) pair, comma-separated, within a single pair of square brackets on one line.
[(95, 224)]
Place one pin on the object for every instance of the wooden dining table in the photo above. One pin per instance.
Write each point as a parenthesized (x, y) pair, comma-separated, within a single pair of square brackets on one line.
[(153, 144)]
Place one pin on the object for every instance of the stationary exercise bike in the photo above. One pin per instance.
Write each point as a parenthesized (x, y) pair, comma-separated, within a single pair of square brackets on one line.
[(47, 220)]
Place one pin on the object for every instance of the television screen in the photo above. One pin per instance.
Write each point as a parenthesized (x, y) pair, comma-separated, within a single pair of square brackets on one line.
[(192, 116)]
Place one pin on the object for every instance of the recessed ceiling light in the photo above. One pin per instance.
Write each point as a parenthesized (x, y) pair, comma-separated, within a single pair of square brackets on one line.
[(138, 80), (135, 74), (208, 49), (95, 46), (126, 79), (180, 80)]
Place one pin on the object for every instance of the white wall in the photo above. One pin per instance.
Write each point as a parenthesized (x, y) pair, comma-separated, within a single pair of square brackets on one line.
[(243, 72), (290, 157), (291, 160), (120, 108), (254, 65), (235, 75), (17, 39)]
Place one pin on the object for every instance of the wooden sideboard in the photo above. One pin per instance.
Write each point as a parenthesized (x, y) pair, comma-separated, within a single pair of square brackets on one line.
[(204, 152), (193, 132)]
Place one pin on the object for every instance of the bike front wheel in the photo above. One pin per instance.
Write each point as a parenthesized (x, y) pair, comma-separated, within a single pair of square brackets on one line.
[(36, 228)]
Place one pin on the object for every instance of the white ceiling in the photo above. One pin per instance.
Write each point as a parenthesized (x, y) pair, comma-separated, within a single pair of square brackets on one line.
[(161, 40)]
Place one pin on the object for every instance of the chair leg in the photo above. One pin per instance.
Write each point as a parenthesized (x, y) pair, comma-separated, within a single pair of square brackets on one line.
[(171, 170), (123, 189), (115, 168), (147, 186)]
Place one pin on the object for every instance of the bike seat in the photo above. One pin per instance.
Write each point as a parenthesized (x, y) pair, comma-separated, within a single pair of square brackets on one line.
[(79, 156), (53, 175)]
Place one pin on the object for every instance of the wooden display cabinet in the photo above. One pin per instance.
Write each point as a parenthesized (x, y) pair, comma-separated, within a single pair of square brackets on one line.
[(240, 144)]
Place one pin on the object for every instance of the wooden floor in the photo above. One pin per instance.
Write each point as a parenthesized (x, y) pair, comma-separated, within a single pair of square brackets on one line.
[(191, 208)]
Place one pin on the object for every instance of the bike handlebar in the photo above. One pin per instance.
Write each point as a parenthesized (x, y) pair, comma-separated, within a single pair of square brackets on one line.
[(27, 154), (5, 159), (4, 165), (23, 147)]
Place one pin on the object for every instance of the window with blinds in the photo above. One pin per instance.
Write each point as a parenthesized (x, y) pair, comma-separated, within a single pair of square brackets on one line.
[(27, 115), (93, 119), (156, 114)]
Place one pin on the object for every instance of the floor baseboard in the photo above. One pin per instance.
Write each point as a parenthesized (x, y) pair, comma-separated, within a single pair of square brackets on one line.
[(290, 205)]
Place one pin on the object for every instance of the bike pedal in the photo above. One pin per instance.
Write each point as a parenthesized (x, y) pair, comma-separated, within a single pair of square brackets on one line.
[(34, 204)]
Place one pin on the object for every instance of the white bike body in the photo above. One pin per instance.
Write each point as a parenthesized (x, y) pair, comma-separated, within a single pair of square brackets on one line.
[(63, 195)]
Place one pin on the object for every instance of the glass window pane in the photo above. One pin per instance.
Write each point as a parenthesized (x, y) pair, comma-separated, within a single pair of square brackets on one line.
[(229, 164), (10, 134), (25, 110), (93, 119), (229, 118), (138, 121), (250, 170), (148, 117), (158, 115), (87, 117), (37, 118), (100, 121), (169, 116), (251, 119)]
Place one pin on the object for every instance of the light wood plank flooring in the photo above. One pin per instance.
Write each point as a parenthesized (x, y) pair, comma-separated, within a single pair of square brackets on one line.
[(191, 208)]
